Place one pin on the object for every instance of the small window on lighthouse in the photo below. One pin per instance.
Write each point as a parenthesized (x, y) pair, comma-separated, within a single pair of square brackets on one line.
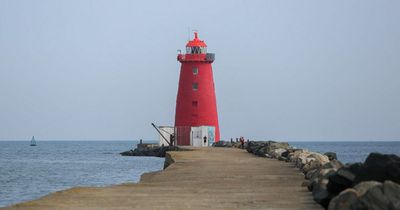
[(195, 70), (195, 103), (195, 86)]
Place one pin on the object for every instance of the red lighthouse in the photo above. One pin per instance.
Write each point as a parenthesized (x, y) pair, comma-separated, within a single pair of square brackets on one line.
[(196, 104)]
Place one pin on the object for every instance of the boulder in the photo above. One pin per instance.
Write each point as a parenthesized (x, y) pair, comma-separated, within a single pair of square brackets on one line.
[(275, 149), (294, 154), (320, 193), (318, 175), (331, 155), (354, 167), (311, 173), (151, 151), (363, 187), (222, 144), (303, 159), (127, 153), (278, 145), (379, 167), (342, 179), (267, 148), (276, 153), (300, 158), (320, 157), (261, 151), (373, 199), (392, 192), (282, 158), (257, 147), (311, 165), (335, 164), (368, 195), (286, 153), (344, 200)]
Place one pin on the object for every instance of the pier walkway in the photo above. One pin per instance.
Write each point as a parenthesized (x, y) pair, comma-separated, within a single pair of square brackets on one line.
[(206, 178)]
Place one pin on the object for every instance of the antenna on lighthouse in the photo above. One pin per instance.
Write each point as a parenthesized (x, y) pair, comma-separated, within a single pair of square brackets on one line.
[(189, 32), (195, 32)]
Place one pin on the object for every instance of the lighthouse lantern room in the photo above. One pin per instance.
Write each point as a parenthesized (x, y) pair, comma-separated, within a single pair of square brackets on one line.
[(196, 117)]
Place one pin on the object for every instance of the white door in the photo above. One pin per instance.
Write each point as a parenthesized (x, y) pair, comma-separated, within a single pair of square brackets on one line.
[(196, 135)]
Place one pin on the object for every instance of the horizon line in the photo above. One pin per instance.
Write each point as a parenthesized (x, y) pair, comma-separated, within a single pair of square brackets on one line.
[(300, 140)]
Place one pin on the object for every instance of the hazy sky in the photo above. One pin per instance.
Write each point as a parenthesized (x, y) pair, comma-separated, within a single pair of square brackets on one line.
[(284, 70)]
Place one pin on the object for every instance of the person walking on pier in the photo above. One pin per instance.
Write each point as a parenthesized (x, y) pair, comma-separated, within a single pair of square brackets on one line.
[(242, 142), (172, 139)]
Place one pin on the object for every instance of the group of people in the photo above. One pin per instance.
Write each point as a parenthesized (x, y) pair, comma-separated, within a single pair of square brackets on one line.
[(241, 140)]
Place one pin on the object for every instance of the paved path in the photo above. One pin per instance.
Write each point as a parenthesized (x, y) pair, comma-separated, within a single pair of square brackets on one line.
[(209, 178)]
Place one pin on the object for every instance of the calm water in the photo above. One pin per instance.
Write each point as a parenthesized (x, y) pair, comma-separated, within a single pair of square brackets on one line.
[(28, 173), (351, 151)]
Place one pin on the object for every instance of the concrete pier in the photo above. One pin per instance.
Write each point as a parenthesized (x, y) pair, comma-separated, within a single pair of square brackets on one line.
[(206, 178)]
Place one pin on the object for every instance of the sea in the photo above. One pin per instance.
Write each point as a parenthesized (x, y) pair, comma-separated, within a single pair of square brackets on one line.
[(28, 173)]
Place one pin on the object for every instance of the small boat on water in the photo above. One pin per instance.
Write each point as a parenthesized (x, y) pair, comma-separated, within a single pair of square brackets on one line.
[(33, 141)]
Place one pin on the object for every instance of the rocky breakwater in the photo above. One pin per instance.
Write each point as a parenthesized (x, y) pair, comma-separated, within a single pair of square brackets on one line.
[(155, 151), (234, 144), (373, 184), (151, 150)]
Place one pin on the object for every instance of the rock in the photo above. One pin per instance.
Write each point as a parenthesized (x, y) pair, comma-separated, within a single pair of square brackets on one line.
[(278, 152), (275, 149), (261, 151), (282, 158), (379, 167), (293, 156), (266, 155), (315, 164), (127, 153), (354, 167), (311, 173), (152, 151), (346, 173), (342, 179), (392, 192), (286, 153), (320, 193), (272, 148), (233, 144), (373, 199), (363, 187), (331, 155), (222, 144), (257, 148), (320, 157), (278, 145), (300, 158), (320, 174), (368, 195), (344, 200), (335, 164)]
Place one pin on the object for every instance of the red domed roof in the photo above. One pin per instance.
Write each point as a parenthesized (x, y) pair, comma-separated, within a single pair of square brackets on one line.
[(196, 42)]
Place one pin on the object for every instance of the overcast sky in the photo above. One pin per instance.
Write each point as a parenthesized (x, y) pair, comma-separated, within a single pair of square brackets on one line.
[(284, 70)]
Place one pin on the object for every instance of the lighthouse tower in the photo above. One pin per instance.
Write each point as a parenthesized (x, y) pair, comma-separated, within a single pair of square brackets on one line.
[(196, 107)]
